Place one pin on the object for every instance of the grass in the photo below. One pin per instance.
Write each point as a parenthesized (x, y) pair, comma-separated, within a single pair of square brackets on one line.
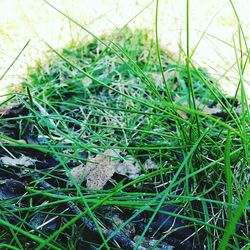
[(124, 92)]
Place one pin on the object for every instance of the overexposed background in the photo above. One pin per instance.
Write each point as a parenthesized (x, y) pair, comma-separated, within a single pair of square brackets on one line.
[(214, 21)]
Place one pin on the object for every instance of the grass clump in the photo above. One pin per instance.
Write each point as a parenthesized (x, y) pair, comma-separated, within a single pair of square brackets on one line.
[(111, 94)]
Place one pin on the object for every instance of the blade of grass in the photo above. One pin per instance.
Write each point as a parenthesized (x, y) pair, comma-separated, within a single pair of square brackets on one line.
[(228, 173), (191, 95), (13, 62), (231, 225)]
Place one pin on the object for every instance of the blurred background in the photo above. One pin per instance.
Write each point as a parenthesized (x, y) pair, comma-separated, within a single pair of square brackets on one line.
[(214, 30)]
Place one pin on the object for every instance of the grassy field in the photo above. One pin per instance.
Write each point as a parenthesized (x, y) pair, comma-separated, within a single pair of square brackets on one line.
[(167, 151)]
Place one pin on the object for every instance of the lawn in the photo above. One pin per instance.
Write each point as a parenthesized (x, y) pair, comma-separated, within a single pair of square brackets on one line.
[(115, 143)]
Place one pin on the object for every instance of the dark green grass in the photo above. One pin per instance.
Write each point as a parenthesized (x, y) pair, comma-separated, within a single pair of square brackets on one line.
[(126, 93)]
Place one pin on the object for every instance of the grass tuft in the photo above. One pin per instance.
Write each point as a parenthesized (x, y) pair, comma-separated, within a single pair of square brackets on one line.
[(124, 93)]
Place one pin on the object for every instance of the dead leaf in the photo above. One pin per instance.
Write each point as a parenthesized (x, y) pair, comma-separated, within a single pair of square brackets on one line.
[(79, 173), (150, 165), (99, 170), (128, 168), (211, 111), (21, 161)]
